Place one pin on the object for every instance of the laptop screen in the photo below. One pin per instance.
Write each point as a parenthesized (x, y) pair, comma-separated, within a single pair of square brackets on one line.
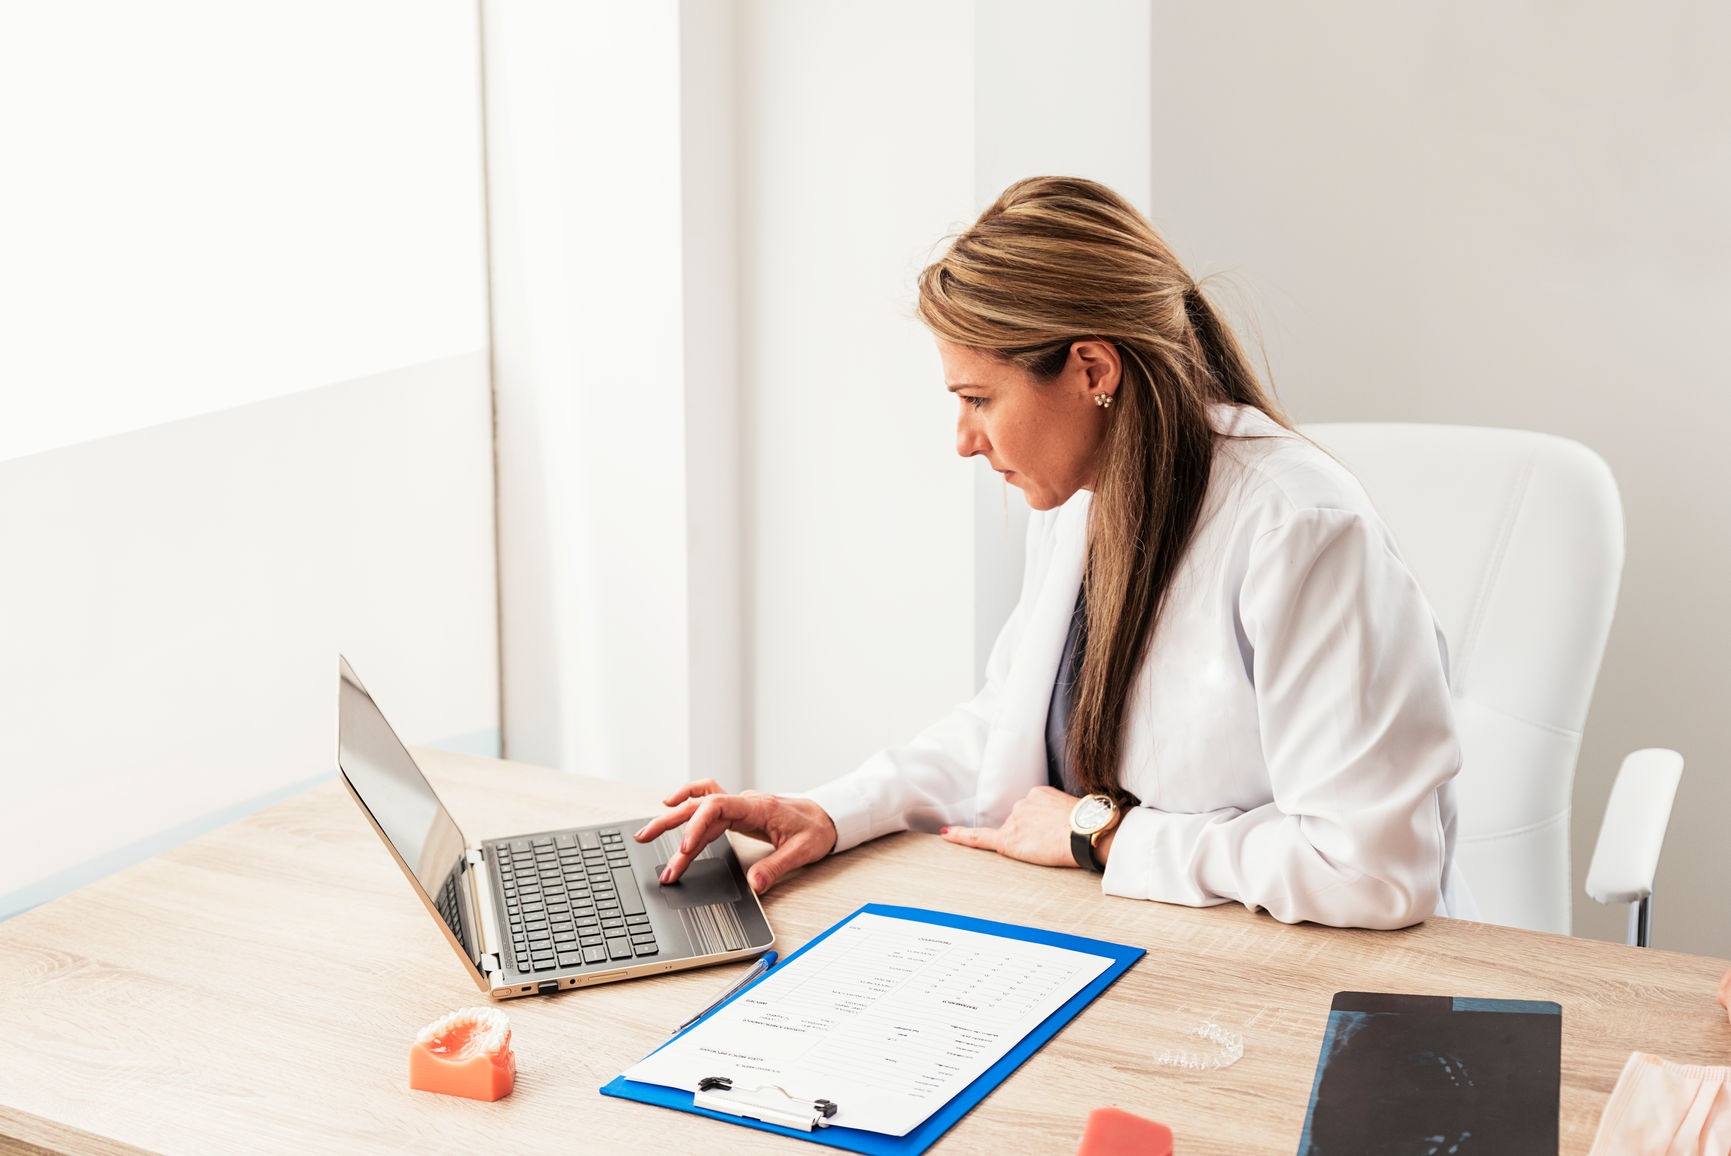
[(401, 800)]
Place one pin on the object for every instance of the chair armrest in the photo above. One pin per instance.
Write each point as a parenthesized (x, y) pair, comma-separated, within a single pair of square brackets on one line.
[(1627, 853)]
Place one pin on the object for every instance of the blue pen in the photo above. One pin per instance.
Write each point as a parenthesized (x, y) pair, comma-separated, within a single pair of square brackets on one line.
[(763, 964)]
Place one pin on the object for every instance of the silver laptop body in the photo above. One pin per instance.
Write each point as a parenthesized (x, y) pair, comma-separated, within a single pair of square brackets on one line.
[(534, 914)]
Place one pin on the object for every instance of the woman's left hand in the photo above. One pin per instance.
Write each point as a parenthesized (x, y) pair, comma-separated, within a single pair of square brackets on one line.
[(1037, 830)]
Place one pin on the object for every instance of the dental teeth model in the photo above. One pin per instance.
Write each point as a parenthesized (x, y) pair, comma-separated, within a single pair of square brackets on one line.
[(467, 1053)]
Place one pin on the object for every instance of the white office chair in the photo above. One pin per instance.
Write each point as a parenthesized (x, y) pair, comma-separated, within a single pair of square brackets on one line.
[(1517, 539)]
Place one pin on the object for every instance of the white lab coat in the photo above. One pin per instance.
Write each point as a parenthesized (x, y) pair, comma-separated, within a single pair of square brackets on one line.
[(1290, 736)]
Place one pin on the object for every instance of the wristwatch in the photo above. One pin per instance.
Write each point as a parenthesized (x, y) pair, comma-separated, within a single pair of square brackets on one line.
[(1090, 818)]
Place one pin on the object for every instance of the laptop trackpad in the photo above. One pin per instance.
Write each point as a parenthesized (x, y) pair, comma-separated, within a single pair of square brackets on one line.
[(704, 882)]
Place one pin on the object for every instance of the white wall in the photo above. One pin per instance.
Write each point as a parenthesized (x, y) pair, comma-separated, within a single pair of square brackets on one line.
[(882, 566), (1064, 97), (243, 409), (1508, 215), (209, 203)]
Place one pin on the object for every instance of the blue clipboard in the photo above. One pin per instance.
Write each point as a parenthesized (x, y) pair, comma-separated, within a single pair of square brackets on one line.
[(939, 1122)]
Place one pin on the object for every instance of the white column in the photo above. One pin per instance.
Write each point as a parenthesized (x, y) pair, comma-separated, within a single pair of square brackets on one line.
[(609, 227), (714, 499), (856, 156)]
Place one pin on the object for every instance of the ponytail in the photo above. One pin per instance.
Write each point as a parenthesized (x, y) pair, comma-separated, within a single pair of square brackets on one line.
[(1224, 358)]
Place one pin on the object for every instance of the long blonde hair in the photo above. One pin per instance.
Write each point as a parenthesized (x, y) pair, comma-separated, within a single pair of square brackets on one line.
[(1056, 260)]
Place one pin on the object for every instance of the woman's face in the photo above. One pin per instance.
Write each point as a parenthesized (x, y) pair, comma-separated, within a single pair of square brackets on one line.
[(1043, 436)]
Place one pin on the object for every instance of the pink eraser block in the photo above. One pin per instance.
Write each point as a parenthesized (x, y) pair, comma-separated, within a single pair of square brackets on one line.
[(1111, 1132), (468, 1053)]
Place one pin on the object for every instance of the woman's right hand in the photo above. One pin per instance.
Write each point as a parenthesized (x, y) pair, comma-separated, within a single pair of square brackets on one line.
[(800, 831)]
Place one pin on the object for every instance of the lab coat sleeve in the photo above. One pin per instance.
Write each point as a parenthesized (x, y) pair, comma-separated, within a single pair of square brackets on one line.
[(932, 781), (1358, 735)]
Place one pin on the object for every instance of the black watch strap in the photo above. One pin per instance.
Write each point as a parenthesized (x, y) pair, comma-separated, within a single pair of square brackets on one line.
[(1082, 847)]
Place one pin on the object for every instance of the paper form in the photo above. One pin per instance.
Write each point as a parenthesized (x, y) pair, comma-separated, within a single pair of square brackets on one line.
[(888, 1018)]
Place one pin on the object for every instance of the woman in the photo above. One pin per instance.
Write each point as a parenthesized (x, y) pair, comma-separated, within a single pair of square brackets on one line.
[(1220, 683)]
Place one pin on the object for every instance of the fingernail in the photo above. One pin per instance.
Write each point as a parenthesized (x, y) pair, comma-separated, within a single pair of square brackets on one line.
[(639, 834), (943, 830), (665, 872), (756, 881)]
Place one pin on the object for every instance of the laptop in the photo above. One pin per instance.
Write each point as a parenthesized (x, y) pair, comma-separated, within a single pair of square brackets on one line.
[(539, 913)]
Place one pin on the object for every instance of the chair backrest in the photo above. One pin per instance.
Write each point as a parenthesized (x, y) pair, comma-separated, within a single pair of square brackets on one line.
[(1517, 539)]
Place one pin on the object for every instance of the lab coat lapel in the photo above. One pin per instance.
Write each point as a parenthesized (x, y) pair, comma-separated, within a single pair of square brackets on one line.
[(1014, 760)]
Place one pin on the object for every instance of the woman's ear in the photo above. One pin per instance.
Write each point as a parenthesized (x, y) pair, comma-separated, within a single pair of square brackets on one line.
[(1097, 366)]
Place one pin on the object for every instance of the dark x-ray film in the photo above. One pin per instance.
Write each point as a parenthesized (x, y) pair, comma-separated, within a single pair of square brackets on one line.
[(1416, 1075)]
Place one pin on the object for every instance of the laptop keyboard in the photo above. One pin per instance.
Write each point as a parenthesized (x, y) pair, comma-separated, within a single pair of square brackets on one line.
[(447, 905), (572, 900)]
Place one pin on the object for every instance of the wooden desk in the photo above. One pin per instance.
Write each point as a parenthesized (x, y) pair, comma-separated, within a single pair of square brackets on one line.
[(257, 989)]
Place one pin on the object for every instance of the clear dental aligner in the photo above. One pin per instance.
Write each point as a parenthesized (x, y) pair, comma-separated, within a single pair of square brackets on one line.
[(1229, 1051)]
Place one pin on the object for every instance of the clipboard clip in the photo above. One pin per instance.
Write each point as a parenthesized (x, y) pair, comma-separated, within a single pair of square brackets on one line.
[(770, 1104)]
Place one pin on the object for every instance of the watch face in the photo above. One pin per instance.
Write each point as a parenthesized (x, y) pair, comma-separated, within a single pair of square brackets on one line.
[(1091, 814)]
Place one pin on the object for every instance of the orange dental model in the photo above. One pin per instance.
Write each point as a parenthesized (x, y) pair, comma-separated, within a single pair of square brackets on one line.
[(468, 1053)]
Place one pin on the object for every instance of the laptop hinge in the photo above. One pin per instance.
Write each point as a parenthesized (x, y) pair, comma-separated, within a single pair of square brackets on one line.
[(487, 944)]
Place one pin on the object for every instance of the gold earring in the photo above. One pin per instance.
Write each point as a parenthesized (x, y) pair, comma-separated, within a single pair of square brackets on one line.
[(1103, 400)]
